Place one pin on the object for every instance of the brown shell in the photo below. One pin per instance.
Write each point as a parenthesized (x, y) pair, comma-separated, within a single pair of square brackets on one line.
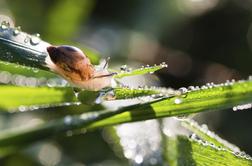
[(72, 62)]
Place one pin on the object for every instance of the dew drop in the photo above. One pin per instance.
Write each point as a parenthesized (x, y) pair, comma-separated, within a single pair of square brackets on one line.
[(178, 101), (204, 87), (35, 39), (183, 90), (67, 120), (139, 159), (52, 82), (5, 77), (242, 107), (17, 31), (191, 88), (124, 68), (151, 72), (22, 108), (235, 108), (163, 64), (35, 70), (5, 25), (27, 38), (194, 137)]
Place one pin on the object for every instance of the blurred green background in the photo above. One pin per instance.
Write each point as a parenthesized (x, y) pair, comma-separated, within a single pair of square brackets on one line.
[(202, 41)]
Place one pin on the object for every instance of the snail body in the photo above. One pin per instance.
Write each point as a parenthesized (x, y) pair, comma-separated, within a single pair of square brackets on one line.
[(73, 65)]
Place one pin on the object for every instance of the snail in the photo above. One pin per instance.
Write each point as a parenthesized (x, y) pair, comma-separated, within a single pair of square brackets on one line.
[(73, 65)]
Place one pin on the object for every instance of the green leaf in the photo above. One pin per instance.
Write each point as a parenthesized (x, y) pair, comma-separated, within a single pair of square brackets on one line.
[(25, 71), (216, 97), (206, 99), (11, 139), (183, 151), (141, 71), (205, 134), (127, 93), (12, 97), (22, 50)]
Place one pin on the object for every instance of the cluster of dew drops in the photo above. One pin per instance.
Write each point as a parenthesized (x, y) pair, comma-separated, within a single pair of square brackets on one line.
[(125, 68), (239, 154), (32, 39), (180, 93), (16, 79), (228, 146)]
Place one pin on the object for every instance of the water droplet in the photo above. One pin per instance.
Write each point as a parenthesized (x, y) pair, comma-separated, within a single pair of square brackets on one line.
[(22, 108), (17, 31), (35, 70), (35, 39), (68, 120), (27, 38), (178, 101), (124, 68), (242, 107), (5, 77), (191, 88), (52, 82), (183, 90), (5, 25), (193, 136), (250, 78), (163, 64), (139, 159), (235, 108), (209, 85), (31, 81), (204, 87)]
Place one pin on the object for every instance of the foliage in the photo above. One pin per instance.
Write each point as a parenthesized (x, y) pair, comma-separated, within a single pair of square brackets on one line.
[(57, 110)]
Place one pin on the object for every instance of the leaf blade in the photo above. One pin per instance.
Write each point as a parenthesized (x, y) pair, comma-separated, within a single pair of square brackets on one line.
[(140, 71)]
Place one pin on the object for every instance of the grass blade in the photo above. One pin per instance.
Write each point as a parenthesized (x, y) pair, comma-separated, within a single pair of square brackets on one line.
[(12, 97), (141, 71), (215, 98), (183, 151), (205, 134)]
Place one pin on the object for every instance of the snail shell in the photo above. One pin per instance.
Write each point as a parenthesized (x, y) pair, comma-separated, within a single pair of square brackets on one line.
[(73, 65)]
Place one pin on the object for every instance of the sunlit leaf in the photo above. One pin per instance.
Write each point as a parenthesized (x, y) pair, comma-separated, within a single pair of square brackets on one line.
[(183, 151), (207, 99), (217, 97), (141, 71), (205, 134), (12, 97), (25, 71)]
